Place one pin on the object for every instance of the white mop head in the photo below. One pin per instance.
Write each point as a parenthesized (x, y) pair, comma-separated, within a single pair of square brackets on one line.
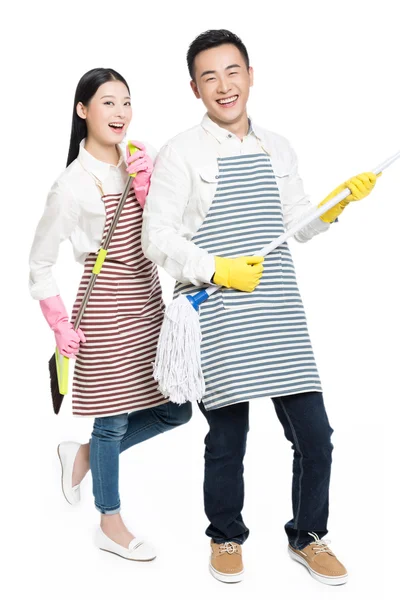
[(177, 367)]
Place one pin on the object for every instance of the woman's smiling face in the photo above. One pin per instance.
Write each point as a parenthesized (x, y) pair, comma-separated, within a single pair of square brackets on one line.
[(108, 113)]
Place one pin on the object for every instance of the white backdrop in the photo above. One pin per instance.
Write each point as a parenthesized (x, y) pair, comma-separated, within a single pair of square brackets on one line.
[(327, 78)]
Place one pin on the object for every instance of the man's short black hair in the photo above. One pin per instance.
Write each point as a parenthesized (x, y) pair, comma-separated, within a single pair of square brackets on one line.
[(211, 39)]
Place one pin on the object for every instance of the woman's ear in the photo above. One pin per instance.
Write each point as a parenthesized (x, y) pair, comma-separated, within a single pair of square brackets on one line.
[(81, 110)]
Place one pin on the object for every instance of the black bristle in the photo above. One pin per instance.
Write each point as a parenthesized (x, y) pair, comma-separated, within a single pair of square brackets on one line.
[(55, 392)]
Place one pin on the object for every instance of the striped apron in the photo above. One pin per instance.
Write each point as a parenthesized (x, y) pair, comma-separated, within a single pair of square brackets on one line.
[(113, 370), (253, 345)]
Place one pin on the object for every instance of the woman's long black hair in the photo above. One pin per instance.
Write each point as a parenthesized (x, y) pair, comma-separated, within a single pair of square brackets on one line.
[(85, 90)]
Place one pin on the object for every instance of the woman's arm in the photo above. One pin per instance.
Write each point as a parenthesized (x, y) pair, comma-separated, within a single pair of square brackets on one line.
[(59, 219)]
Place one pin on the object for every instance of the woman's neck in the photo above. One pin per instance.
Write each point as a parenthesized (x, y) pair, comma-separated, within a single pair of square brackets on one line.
[(107, 154)]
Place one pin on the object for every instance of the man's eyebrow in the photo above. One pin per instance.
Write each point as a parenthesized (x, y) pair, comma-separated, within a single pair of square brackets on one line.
[(207, 73), (226, 68)]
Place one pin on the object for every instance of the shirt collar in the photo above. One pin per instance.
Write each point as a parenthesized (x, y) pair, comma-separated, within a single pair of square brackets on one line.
[(94, 166), (222, 134)]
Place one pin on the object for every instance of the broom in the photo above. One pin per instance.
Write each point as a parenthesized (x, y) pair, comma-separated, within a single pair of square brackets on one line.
[(58, 363), (177, 366)]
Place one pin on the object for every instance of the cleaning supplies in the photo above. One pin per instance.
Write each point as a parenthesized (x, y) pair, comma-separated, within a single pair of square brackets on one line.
[(177, 367), (360, 186), (59, 364), (242, 273)]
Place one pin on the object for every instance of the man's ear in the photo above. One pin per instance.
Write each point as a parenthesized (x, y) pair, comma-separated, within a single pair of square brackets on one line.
[(195, 89), (251, 75), (81, 110)]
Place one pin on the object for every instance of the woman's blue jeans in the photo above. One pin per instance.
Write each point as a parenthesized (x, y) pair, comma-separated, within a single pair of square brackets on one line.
[(113, 435)]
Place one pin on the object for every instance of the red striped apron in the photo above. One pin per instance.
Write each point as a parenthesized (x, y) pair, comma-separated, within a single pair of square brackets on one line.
[(113, 370)]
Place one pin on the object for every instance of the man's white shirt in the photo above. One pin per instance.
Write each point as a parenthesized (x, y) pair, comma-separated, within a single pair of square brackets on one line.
[(183, 186)]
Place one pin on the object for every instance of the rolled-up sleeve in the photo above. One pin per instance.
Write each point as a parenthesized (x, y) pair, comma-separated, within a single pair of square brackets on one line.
[(56, 225), (296, 205), (163, 240), (151, 151)]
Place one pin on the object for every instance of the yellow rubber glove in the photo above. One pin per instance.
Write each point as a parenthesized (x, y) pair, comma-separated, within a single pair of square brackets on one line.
[(242, 273), (360, 186)]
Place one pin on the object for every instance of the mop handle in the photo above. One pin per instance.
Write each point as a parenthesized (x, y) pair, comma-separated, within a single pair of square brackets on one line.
[(203, 295), (103, 250)]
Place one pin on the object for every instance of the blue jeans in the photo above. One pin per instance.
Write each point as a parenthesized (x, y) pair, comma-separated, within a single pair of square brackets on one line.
[(113, 435), (306, 426)]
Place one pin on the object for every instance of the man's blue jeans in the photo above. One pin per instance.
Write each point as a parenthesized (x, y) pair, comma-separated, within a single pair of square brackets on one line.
[(306, 426)]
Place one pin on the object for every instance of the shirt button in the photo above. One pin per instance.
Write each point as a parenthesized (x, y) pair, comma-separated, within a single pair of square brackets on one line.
[(229, 135)]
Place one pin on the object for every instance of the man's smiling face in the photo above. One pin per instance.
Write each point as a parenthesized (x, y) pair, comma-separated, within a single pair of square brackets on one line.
[(222, 80)]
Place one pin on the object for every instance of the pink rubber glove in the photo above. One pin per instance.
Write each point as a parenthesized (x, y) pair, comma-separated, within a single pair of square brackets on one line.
[(140, 163), (67, 339)]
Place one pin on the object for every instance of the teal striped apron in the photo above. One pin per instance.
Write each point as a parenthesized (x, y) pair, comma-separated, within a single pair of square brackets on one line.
[(253, 345)]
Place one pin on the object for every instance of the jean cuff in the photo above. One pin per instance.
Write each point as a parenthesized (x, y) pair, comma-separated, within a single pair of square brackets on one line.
[(233, 540), (108, 511)]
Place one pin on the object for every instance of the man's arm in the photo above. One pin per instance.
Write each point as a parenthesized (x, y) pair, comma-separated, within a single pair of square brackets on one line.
[(296, 204), (163, 240)]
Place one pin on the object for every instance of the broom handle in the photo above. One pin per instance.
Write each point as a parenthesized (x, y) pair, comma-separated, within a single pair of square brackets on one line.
[(102, 255), (302, 223)]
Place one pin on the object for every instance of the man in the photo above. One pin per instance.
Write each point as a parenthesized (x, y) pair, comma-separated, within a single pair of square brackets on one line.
[(220, 192)]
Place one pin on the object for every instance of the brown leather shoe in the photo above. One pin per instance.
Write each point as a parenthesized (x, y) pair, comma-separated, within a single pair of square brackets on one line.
[(320, 561), (226, 562)]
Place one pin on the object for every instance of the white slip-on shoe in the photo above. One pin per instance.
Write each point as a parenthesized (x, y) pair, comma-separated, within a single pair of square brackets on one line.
[(67, 452), (138, 549)]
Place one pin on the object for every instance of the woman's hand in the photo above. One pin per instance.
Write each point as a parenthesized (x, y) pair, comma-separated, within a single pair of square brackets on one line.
[(141, 164)]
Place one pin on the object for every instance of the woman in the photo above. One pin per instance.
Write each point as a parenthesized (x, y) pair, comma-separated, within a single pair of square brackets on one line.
[(115, 348)]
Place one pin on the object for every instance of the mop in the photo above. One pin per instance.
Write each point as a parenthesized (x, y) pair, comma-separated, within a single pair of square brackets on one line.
[(177, 367)]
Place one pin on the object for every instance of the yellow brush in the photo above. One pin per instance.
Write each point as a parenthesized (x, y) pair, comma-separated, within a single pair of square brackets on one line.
[(59, 364)]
